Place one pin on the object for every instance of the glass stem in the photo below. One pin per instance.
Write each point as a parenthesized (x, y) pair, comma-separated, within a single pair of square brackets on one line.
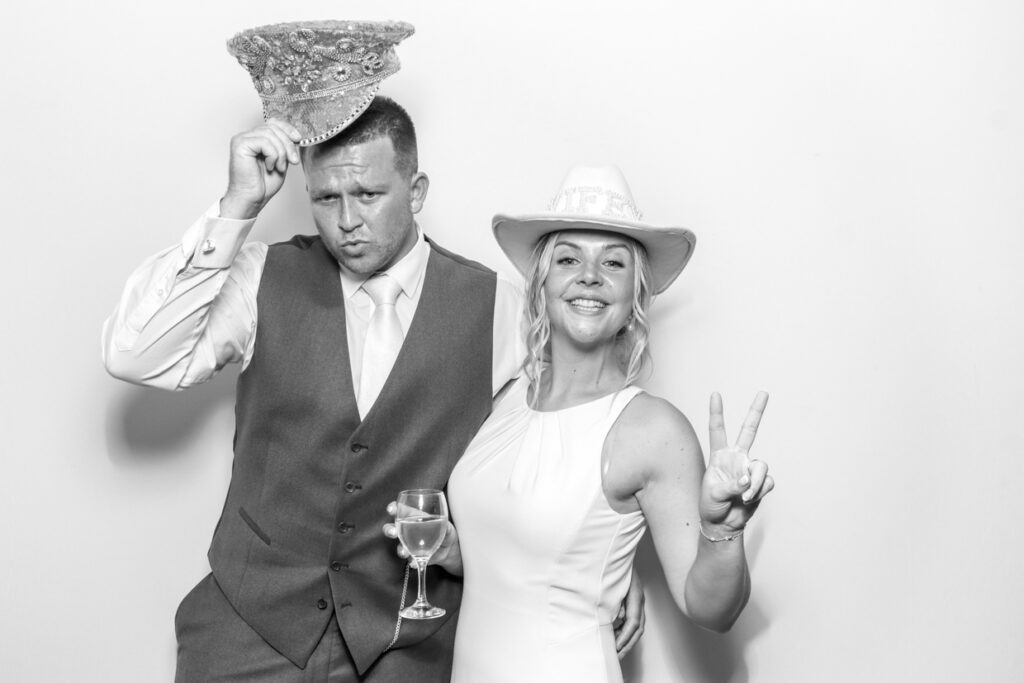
[(421, 572)]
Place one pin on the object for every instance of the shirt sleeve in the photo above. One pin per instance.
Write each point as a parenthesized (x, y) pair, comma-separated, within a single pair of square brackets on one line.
[(509, 345), (189, 310)]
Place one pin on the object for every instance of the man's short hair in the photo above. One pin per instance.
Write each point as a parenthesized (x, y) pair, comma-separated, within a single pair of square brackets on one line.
[(383, 118)]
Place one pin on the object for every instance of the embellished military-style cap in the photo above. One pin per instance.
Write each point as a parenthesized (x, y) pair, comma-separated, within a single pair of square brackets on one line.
[(319, 76)]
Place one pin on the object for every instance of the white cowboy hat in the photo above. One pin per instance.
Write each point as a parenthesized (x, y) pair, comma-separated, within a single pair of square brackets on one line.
[(596, 198)]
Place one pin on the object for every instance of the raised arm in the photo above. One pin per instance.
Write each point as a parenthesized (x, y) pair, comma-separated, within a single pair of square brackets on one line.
[(654, 451), (191, 309)]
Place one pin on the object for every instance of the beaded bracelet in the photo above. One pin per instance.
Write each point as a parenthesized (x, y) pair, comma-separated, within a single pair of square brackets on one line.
[(700, 525)]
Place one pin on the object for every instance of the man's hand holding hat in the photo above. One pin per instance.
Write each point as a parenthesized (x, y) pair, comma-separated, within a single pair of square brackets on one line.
[(258, 166)]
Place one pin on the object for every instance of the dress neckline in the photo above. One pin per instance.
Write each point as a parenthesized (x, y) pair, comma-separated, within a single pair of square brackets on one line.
[(526, 400)]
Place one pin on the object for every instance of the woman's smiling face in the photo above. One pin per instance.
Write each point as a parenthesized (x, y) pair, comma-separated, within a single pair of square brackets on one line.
[(589, 287)]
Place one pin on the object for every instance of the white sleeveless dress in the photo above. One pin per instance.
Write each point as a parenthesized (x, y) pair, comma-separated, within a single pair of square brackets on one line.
[(547, 561)]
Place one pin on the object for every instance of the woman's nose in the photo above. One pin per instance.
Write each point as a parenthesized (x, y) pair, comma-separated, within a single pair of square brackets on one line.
[(590, 274)]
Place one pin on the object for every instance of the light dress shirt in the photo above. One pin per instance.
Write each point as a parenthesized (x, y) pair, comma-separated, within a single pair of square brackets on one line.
[(189, 310)]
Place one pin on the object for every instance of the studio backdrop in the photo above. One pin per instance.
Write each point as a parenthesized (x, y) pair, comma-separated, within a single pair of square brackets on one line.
[(853, 173)]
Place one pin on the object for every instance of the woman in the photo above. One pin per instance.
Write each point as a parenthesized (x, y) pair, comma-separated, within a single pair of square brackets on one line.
[(554, 493)]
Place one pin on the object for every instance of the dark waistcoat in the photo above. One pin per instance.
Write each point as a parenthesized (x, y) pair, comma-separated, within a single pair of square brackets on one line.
[(299, 540)]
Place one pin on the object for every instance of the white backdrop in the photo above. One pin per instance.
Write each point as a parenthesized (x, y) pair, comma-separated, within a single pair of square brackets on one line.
[(853, 172)]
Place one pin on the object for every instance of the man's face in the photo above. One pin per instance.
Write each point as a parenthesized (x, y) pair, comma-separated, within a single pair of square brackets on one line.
[(363, 205)]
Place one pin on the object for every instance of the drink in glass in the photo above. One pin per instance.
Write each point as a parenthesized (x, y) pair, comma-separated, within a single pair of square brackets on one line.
[(422, 521)]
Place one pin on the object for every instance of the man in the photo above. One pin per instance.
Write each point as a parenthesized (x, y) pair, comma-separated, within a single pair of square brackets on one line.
[(317, 458)]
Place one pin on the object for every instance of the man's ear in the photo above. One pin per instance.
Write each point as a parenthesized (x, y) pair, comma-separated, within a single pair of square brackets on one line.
[(419, 185)]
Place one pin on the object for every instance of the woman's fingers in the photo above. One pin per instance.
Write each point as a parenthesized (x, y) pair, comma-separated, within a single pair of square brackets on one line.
[(758, 471), (749, 429), (769, 484), (716, 425), (725, 491)]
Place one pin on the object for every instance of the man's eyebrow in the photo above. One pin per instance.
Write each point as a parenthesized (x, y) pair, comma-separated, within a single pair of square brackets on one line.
[(357, 187), (363, 186)]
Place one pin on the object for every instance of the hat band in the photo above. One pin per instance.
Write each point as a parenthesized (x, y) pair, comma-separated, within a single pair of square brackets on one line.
[(596, 201), (324, 92)]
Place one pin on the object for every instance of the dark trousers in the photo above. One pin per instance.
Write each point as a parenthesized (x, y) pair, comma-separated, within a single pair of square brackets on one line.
[(216, 645)]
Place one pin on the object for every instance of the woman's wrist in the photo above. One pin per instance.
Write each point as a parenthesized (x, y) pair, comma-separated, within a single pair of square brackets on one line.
[(718, 533)]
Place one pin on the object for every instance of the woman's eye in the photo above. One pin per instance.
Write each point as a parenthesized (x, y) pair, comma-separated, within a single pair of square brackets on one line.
[(368, 195), (615, 264), (566, 261)]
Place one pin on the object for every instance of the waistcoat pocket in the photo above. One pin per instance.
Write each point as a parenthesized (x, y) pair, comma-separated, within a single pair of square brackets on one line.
[(251, 523)]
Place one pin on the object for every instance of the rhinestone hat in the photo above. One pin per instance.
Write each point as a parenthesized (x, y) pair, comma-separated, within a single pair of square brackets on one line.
[(597, 198), (319, 76)]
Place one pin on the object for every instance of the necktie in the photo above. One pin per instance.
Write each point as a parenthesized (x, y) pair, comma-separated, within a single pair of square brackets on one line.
[(383, 340)]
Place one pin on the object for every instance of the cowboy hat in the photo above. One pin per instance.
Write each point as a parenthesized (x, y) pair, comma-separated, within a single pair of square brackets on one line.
[(596, 198)]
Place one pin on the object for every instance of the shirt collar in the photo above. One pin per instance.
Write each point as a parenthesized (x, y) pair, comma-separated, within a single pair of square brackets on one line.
[(408, 271)]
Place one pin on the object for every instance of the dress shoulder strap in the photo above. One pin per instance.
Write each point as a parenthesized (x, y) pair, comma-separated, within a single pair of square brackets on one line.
[(621, 399)]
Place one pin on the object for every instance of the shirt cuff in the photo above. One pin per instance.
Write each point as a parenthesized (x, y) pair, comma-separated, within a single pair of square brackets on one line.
[(212, 241)]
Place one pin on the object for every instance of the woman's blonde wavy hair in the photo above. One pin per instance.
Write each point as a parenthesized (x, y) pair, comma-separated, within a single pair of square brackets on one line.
[(632, 339)]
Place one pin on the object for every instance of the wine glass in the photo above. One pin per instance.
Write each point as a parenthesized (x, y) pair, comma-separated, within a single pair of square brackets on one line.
[(422, 522)]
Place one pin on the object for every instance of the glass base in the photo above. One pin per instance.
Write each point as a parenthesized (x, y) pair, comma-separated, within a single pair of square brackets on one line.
[(422, 612)]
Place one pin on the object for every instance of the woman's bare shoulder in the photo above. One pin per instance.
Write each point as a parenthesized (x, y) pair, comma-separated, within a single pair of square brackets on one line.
[(650, 434), (651, 419)]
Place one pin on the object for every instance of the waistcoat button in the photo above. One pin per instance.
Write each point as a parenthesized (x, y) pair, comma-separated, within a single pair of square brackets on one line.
[(352, 487), (358, 447), (345, 528), (337, 566), (321, 604)]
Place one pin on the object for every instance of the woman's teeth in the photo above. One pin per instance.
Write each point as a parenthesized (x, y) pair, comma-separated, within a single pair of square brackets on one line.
[(587, 304)]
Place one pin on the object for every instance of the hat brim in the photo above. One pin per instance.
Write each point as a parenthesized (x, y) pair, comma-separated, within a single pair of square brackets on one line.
[(668, 249), (319, 119)]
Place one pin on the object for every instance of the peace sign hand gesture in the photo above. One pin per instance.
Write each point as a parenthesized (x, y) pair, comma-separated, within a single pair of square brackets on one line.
[(733, 484)]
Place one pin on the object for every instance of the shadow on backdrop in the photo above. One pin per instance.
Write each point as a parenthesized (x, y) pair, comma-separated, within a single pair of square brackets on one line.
[(145, 424), (694, 654)]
